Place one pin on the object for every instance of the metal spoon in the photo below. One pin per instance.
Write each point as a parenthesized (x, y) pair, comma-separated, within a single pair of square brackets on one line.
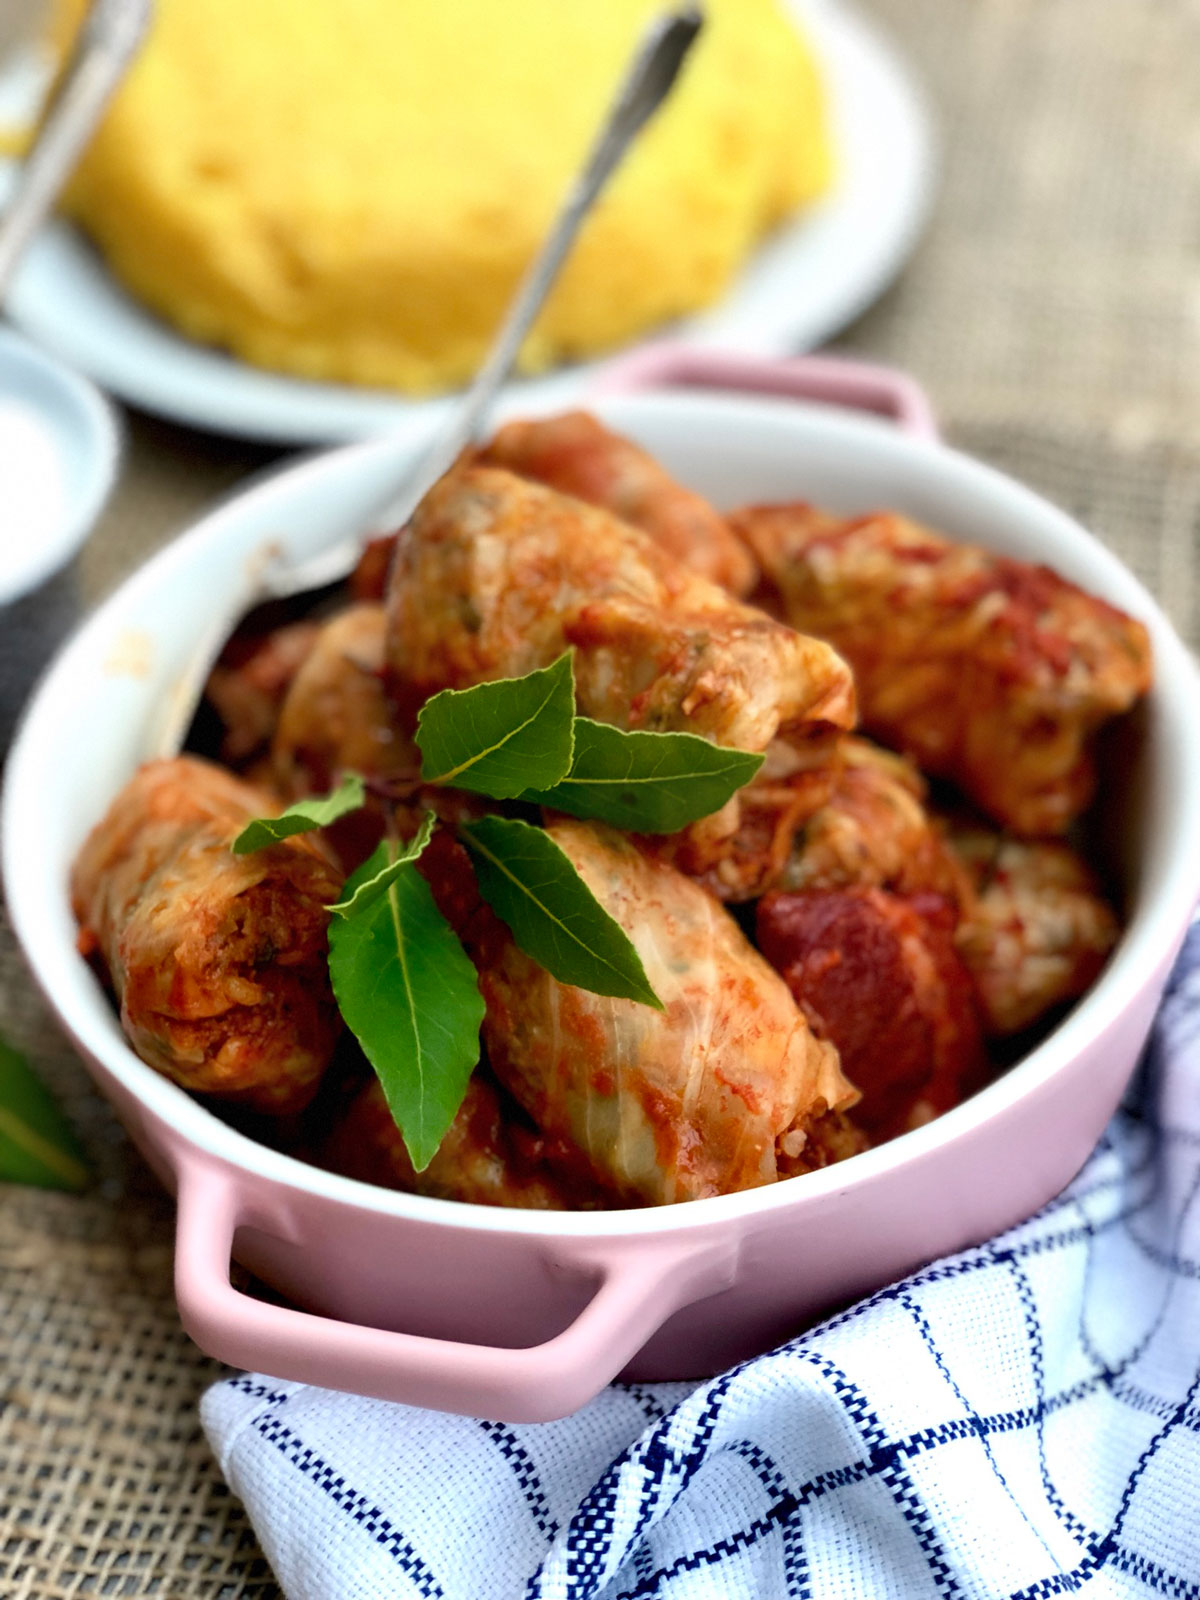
[(651, 74), (104, 48)]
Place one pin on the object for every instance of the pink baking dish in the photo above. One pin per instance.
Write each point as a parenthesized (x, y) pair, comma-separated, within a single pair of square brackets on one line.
[(524, 1316)]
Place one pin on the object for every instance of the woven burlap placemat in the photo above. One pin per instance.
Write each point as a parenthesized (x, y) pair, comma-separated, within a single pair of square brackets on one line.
[(1053, 312)]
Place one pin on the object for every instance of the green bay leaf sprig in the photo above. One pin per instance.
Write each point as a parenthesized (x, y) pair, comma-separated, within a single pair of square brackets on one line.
[(519, 738), (403, 982)]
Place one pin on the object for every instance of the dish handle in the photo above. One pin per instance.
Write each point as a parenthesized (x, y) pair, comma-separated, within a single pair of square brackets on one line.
[(832, 380), (640, 1283)]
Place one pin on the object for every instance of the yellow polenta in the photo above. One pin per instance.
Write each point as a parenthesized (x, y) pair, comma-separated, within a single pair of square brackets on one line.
[(349, 189)]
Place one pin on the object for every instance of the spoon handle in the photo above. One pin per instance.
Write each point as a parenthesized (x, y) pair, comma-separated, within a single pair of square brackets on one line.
[(106, 45), (654, 69)]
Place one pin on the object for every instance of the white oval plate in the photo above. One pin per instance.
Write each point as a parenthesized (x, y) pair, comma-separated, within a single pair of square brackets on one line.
[(809, 280)]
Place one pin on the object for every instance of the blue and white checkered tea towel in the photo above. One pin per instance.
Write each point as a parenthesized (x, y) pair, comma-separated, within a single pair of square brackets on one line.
[(1021, 1420)]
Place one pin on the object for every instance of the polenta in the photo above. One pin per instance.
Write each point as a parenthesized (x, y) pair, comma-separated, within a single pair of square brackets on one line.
[(350, 189)]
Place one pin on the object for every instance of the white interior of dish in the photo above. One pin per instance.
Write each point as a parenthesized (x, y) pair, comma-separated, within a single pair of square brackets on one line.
[(87, 729)]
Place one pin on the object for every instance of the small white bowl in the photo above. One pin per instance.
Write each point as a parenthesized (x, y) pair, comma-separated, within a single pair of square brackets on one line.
[(59, 448), (59, 451)]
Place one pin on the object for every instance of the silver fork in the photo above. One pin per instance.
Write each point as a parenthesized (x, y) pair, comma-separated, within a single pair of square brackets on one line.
[(271, 576)]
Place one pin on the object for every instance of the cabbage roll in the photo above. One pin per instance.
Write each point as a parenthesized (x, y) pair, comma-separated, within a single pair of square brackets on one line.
[(874, 831), (218, 961), (721, 1091), (335, 716), (878, 975), (495, 577), (247, 686), (1038, 930), (577, 455), (987, 671), (491, 1156), (745, 849)]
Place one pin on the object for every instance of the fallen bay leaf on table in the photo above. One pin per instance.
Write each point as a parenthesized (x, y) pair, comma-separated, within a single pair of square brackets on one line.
[(37, 1144)]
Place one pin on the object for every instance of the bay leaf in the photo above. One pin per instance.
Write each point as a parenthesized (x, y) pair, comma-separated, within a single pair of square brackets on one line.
[(314, 811), (533, 885), (37, 1145), (408, 993), (646, 782), (503, 737), (369, 889)]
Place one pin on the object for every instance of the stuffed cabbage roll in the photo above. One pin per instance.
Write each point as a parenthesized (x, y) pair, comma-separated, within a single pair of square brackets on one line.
[(247, 686), (878, 975), (856, 820), (577, 455), (495, 576), (1038, 930), (718, 1092), (218, 961), (368, 581), (863, 928), (874, 831), (988, 671), (335, 716), (745, 849)]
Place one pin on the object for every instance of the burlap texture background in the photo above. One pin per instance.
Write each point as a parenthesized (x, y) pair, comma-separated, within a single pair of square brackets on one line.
[(1052, 311)]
